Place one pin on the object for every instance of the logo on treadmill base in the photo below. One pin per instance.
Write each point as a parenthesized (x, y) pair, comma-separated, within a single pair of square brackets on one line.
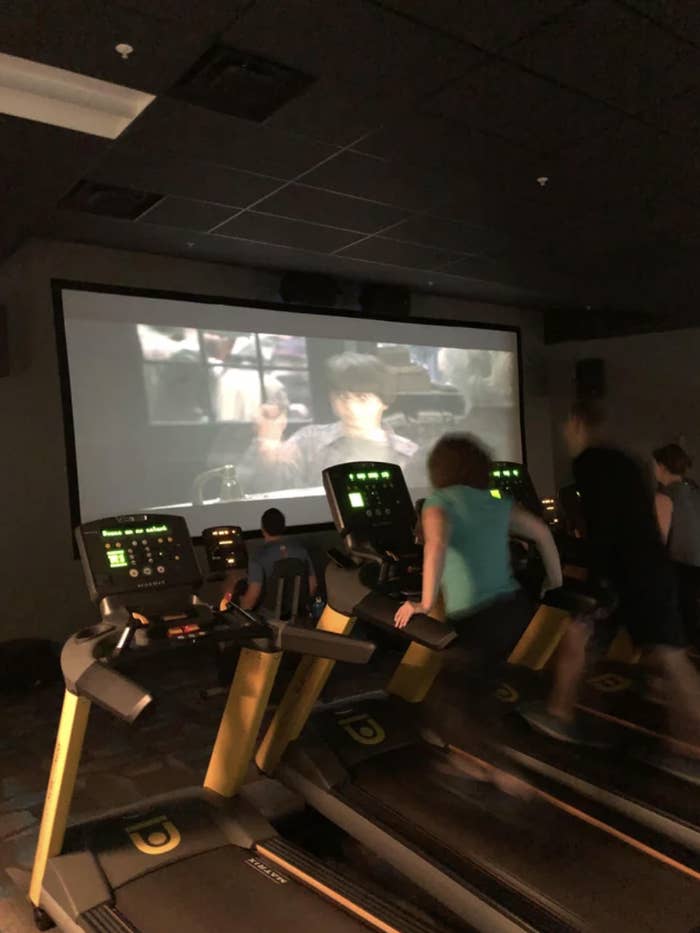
[(155, 836), (363, 729), (506, 694), (266, 870), (610, 682)]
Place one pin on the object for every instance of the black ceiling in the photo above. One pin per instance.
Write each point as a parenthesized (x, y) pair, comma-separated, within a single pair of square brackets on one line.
[(412, 156)]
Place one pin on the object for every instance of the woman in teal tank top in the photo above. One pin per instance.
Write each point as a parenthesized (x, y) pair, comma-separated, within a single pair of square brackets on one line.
[(466, 532), (466, 555)]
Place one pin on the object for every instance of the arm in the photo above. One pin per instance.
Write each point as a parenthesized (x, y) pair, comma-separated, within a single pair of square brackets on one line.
[(256, 577), (435, 532), (251, 597), (524, 524), (313, 585), (271, 462), (664, 514)]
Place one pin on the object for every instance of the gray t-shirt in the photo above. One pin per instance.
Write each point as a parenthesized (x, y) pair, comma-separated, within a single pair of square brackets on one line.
[(684, 537), (262, 562)]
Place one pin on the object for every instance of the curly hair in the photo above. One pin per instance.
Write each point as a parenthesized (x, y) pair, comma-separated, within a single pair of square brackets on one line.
[(459, 460)]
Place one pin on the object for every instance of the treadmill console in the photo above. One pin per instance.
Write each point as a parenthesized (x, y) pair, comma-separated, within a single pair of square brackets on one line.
[(225, 548), (513, 480), (371, 508), (130, 555)]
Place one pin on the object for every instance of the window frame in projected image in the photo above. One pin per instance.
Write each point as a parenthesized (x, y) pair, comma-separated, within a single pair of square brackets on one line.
[(263, 364)]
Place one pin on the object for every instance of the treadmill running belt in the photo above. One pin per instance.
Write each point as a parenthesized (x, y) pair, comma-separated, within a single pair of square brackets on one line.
[(228, 889), (591, 875)]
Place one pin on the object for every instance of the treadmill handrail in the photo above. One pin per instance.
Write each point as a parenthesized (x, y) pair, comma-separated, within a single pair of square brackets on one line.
[(87, 675), (378, 609), (319, 644), (299, 640)]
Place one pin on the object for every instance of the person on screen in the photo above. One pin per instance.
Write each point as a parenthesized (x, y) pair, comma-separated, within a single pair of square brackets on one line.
[(276, 547), (359, 395)]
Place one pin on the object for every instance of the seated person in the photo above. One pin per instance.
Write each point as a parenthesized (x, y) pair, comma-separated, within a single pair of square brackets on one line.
[(359, 395), (276, 547)]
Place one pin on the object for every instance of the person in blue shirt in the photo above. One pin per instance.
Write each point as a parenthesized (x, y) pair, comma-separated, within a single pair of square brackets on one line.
[(276, 547)]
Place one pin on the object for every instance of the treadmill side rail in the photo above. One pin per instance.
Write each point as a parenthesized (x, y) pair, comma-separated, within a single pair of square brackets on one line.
[(75, 882), (240, 722), (300, 696), (422, 871), (59, 794), (415, 674)]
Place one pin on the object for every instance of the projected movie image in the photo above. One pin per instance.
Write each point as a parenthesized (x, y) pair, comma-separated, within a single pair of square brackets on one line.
[(218, 421), (377, 401)]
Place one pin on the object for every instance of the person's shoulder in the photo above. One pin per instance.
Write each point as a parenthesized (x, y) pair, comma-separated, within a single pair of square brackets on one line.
[(318, 433), (437, 499), (602, 458), (455, 496), (263, 551), (403, 445)]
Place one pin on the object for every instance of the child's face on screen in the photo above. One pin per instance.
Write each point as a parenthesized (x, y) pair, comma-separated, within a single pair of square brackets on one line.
[(360, 412)]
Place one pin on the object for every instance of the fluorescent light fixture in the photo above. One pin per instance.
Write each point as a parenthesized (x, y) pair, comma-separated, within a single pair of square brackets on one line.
[(64, 98)]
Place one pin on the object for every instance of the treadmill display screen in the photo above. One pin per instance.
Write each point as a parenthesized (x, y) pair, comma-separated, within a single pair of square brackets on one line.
[(371, 505), (225, 548), (117, 559), (513, 480), (125, 532), (135, 553)]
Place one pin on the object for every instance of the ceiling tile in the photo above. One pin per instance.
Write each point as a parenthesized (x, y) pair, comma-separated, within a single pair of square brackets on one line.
[(318, 206), (30, 182), (391, 252), (188, 214), (431, 141), (611, 53), (446, 234), (490, 24), (170, 126), (212, 14), (185, 177), (81, 37), (511, 103), (367, 61), (682, 16), (378, 180), (277, 230), (679, 115)]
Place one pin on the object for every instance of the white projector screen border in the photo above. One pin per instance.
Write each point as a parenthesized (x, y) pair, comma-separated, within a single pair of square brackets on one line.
[(266, 311)]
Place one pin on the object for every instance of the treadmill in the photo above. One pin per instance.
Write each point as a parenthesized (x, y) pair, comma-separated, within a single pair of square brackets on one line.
[(196, 859), (497, 863)]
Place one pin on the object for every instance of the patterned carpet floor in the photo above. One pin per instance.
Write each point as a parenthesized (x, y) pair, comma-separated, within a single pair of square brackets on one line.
[(121, 764)]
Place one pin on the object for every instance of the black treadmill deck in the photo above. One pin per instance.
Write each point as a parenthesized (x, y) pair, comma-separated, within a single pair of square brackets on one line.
[(585, 873)]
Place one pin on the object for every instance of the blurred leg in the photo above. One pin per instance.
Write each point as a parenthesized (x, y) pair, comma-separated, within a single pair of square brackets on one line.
[(570, 665)]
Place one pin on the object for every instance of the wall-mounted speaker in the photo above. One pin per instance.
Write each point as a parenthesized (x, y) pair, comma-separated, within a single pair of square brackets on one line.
[(589, 378), (308, 288), (4, 344), (389, 301)]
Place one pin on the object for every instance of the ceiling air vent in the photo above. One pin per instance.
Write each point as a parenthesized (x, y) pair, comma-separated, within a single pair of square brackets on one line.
[(240, 84), (109, 200)]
